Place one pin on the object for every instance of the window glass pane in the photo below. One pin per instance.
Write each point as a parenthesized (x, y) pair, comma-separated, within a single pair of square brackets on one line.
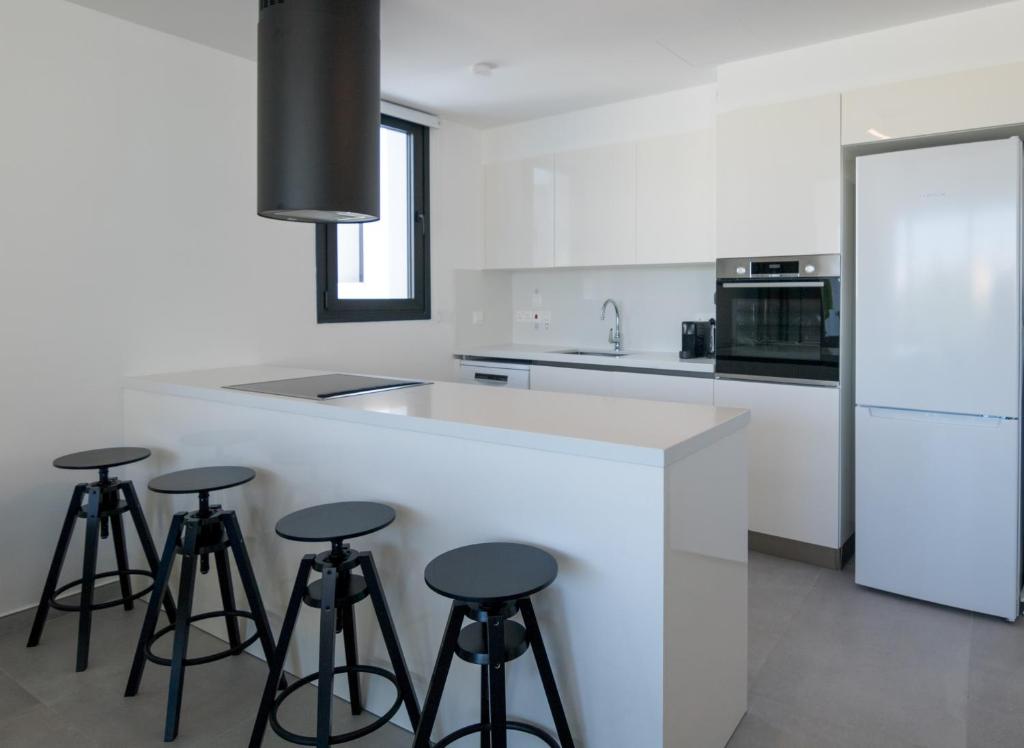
[(380, 266)]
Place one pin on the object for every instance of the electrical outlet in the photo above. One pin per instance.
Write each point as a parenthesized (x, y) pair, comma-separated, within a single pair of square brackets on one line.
[(478, 317), (523, 316)]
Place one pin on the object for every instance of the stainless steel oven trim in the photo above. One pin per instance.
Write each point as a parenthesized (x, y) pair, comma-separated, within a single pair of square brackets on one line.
[(825, 266), (775, 284), (777, 380)]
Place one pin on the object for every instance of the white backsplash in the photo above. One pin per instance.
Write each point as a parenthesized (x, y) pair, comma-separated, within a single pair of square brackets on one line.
[(653, 301)]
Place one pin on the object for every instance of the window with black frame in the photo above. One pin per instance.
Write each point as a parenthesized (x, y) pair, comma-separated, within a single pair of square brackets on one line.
[(380, 271)]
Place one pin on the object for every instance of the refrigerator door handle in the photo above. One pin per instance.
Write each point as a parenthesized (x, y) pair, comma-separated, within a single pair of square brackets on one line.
[(966, 419)]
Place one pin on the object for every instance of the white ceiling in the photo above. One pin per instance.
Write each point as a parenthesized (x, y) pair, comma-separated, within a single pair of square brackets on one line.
[(553, 55)]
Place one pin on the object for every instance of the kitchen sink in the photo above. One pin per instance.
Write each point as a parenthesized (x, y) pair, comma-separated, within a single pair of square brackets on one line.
[(609, 354)]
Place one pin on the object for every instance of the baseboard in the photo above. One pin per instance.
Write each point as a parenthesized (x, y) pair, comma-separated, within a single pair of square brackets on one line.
[(796, 550)]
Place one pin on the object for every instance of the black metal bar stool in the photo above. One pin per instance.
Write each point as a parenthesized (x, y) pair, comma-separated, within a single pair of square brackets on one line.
[(338, 590), (102, 510), (196, 535), (489, 583)]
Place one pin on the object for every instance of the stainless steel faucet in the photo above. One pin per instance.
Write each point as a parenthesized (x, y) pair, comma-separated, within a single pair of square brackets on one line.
[(615, 333)]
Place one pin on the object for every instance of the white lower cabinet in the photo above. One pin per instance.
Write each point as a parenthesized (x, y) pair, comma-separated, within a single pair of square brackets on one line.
[(794, 458), (623, 384)]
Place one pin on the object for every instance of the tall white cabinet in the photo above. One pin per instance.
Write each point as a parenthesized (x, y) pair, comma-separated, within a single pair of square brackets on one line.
[(794, 439), (519, 220), (675, 198), (595, 206), (779, 179)]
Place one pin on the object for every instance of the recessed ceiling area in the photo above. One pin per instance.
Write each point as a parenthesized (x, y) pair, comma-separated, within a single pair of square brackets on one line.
[(553, 57)]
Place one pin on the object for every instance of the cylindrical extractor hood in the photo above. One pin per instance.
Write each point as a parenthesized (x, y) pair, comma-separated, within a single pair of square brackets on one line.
[(318, 110)]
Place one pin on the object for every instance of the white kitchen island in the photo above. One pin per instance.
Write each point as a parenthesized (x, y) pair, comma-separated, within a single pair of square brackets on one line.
[(644, 504)]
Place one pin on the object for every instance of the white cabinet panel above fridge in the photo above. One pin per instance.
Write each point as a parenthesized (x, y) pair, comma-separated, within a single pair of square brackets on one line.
[(938, 280)]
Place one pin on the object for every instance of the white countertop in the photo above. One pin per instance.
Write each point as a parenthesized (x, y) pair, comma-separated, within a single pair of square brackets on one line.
[(618, 429), (668, 361)]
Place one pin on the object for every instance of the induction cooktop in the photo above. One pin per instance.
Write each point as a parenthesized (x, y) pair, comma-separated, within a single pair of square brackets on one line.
[(326, 386)]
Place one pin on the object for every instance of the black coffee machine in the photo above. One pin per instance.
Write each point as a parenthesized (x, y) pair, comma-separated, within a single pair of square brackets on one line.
[(698, 339)]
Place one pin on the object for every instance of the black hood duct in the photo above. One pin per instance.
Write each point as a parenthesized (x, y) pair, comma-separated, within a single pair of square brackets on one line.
[(318, 110)]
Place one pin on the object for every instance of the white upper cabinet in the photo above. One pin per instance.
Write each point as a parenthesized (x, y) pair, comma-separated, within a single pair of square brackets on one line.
[(945, 103), (595, 206), (778, 179), (519, 205), (675, 198)]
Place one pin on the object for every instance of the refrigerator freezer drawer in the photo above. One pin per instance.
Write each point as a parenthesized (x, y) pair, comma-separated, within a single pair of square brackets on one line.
[(938, 508)]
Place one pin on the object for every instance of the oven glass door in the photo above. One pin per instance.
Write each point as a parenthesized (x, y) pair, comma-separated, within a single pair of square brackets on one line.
[(783, 329)]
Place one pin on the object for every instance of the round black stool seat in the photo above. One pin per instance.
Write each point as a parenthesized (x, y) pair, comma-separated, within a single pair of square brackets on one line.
[(338, 521), (101, 459), (491, 573), (201, 480)]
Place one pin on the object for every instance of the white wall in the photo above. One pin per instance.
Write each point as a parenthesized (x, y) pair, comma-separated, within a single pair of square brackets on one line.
[(130, 243), (684, 110)]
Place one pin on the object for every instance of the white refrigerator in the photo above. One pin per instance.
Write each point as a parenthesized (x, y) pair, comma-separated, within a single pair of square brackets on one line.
[(938, 375)]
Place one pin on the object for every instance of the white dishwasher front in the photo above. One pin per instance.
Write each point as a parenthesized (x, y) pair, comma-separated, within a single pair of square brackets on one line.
[(496, 374)]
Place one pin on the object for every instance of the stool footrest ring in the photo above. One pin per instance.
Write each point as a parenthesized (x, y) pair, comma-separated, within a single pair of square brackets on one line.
[(205, 658), (345, 737), (55, 603), (509, 725)]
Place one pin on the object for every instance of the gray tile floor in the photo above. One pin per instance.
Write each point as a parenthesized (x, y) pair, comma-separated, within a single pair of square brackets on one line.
[(832, 665)]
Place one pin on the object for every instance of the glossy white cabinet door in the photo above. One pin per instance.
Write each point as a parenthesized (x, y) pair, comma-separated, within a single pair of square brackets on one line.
[(675, 204), (665, 387), (623, 384), (519, 210), (595, 206), (565, 379), (945, 103), (778, 183), (794, 458)]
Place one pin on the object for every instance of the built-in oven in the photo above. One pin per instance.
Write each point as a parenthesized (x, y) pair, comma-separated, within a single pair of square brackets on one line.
[(777, 318)]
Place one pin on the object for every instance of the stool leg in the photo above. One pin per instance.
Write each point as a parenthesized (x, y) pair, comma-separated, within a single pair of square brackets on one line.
[(547, 677), (485, 710), (439, 676), (121, 553), (56, 564), (281, 651), (146, 541), (325, 683), (92, 540), (496, 679), (252, 590), (227, 595), (186, 589), (162, 575), (348, 632), (387, 629)]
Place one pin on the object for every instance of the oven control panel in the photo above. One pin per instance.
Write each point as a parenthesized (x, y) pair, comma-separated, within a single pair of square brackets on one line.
[(808, 266)]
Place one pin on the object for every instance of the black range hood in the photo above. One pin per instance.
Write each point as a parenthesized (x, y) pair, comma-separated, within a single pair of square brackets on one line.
[(318, 110)]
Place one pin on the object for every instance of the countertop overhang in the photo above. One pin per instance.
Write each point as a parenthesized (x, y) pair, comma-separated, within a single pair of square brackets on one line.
[(617, 429)]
